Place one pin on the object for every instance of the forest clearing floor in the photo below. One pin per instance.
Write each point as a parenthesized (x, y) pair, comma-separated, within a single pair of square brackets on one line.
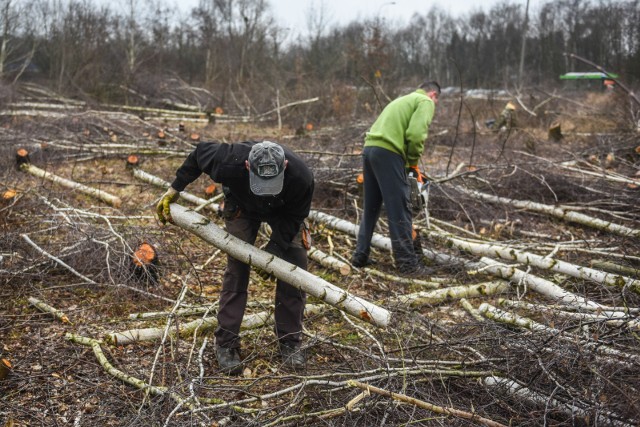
[(578, 365)]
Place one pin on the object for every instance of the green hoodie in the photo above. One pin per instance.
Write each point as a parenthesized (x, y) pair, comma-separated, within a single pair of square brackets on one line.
[(403, 125)]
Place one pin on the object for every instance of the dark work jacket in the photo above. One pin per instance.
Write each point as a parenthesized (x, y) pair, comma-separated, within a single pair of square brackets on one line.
[(225, 164)]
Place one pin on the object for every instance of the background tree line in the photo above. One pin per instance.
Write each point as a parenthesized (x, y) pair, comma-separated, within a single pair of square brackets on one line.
[(236, 53)]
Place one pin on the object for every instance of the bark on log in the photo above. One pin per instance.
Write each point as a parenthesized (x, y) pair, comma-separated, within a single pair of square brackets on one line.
[(48, 309), (297, 277), (561, 213), (329, 261), (533, 397), (250, 321), (539, 261), (515, 275), (93, 192), (159, 182), (455, 292)]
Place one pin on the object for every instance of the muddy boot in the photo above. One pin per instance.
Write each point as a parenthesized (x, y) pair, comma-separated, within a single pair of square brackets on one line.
[(229, 360)]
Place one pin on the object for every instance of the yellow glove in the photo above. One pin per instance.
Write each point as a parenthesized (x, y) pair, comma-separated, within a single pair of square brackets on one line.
[(163, 211)]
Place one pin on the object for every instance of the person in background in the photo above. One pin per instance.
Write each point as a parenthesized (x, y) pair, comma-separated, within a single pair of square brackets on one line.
[(262, 182), (392, 148)]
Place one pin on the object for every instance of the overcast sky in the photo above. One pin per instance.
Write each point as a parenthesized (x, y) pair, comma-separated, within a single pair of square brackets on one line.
[(293, 14)]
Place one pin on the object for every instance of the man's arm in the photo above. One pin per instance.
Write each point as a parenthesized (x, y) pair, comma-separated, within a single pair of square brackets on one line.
[(418, 129), (201, 160)]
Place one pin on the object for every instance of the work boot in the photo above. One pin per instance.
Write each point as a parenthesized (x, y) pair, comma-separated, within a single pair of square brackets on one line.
[(359, 261), (292, 355), (417, 271), (229, 360)]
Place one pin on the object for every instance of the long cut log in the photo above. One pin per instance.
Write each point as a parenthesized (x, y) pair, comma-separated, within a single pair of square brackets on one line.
[(539, 261), (561, 213), (93, 192), (487, 265), (297, 277)]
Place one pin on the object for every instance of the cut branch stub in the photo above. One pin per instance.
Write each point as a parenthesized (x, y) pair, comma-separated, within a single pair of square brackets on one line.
[(145, 262), (290, 273), (133, 161), (22, 157), (5, 368)]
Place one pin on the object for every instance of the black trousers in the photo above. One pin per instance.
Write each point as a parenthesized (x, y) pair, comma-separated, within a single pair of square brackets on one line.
[(290, 301), (385, 180)]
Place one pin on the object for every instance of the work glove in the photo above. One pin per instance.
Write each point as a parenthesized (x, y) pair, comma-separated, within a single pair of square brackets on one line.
[(163, 211)]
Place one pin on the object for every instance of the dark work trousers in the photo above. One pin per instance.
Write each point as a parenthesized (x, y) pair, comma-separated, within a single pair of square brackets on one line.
[(385, 180), (233, 296)]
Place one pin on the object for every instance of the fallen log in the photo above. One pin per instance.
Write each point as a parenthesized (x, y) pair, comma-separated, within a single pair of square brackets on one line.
[(46, 308), (454, 292), (329, 261), (509, 318), (67, 183), (297, 277), (556, 212), (159, 182), (200, 326), (515, 275), (539, 261)]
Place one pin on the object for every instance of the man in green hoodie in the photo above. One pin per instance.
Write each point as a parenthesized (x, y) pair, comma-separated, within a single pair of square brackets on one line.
[(393, 146)]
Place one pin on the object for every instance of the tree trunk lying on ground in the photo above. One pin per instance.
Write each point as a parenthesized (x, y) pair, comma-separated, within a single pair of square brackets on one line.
[(455, 292), (487, 265), (557, 212), (297, 277), (547, 263), (67, 183), (200, 326)]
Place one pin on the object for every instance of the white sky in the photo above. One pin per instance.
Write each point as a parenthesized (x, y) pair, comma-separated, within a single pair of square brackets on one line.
[(293, 14)]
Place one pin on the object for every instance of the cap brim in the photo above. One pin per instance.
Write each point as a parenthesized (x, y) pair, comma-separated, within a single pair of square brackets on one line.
[(266, 186)]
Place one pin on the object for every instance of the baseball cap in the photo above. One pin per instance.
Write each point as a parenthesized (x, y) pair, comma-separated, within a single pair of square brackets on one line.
[(266, 168)]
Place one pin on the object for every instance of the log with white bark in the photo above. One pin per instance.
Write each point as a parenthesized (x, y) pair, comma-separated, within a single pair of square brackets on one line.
[(295, 276), (515, 389), (539, 261), (200, 326), (329, 261), (615, 318), (44, 307), (509, 318), (159, 182), (556, 212), (487, 265), (67, 183), (455, 292)]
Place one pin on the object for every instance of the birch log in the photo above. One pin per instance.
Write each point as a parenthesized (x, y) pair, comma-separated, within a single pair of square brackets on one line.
[(329, 261), (297, 277), (159, 182), (186, 330), (502, 316), (44, 307), (67, 183), (487, 265), (557, 212), (515, 389), (539, 261), (454, 292)]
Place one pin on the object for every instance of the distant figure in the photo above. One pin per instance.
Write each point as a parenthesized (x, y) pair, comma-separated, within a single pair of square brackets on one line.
[(507, 119)]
